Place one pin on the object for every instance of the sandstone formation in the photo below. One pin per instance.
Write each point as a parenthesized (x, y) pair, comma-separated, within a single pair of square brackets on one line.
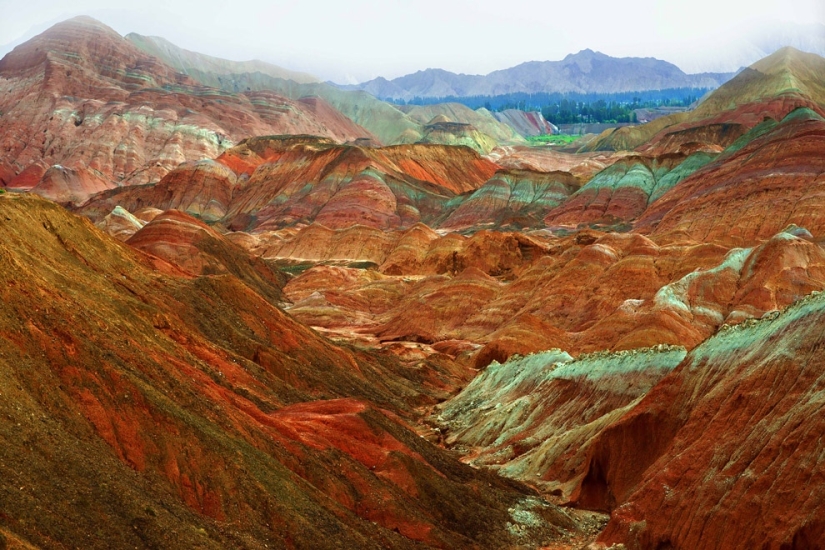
[(390, 124), (534, 418), (718, 445), (279, 319), (509, 293), (481, 119), (196, 250), (773, 87), (513, 199), (209, 418), (582, 165), (203, 189), (457, 133), (271, 182), (769, 179), (685, 453), (121, 224), (622, 192), (82, 97)]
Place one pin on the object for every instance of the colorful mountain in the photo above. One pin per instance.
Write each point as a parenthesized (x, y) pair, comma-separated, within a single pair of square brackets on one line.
[(298, 337), (83, 99)]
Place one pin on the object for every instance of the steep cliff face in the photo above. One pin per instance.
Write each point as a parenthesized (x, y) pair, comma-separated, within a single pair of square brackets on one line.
[(725, 451)]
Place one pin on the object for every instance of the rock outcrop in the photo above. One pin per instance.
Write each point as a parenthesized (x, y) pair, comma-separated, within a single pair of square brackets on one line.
[(771, 178), (272, 182), (209, 418), (526, 123), (716, 442), (82, 97)]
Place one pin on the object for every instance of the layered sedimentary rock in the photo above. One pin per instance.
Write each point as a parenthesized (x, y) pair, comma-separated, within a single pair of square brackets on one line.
[(482, 119), (459, 134), (771, 178), (81, 96), (773, 87), (203, 189), (526, 123), (186, 400), (687, 451), (273, 182), (582, 165), (515, 198), (622, 192), (722, 435), (510, 293), (121, 224), (70, 187), (196, 249), (198, 65), (534, 418), (390, 124)]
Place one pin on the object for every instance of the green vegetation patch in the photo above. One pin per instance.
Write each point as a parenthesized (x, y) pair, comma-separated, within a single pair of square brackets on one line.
[(555, 139)]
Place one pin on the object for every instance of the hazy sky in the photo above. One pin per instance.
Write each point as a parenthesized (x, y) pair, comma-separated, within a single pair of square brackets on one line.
[(354, 40)]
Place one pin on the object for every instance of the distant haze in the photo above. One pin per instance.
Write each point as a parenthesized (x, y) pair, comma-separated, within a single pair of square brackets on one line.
[(355, 40)]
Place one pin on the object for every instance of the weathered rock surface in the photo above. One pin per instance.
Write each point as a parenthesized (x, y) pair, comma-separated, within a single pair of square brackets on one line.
[(481, 119), (582, 165), (512, 200), (686, 451), (703, 459), (272, 182), (773, 87), (186, 400), (196, 250), (203, 189), (771, 178), (121, 224), (70, 187), (81, 96), (511, 293), (622, 192), (390, 124), (534, 418)]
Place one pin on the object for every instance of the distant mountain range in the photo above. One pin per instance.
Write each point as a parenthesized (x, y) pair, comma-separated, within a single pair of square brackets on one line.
[(583, 72)]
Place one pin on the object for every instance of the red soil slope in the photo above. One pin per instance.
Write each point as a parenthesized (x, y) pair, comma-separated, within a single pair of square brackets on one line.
[(180, 398)]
